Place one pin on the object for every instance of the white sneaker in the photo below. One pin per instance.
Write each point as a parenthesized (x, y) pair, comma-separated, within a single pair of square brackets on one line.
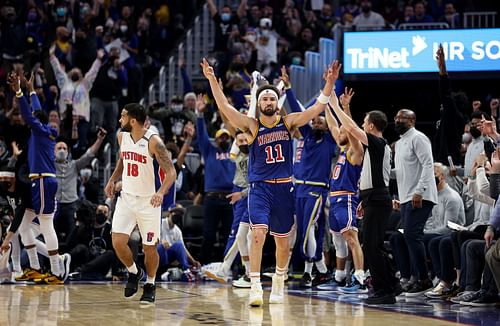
[(438, 291), (277, 290), (66, 261), (242, 282), (255, 297)]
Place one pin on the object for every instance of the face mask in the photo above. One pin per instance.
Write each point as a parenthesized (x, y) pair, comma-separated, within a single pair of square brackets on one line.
[(85, 173), (252, 38), (4, 187), (61, 11), (123, 28), (475, 133), (296, 61), (65, 38), (365, 9), (32, 16), (100, 218), (265, 32), (225, 17), (400, 128), (176, 218), (318, 133), (237, 66), (61, 155), (466, 138), (75, 77), (437, 180), (244, 149), (224, 146), (177, 108)]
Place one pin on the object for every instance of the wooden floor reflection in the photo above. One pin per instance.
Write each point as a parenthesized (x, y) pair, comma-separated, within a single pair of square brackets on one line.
[(179, 304)]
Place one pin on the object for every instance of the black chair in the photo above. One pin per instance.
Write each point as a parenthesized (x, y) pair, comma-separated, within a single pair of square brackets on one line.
[(193, 228)]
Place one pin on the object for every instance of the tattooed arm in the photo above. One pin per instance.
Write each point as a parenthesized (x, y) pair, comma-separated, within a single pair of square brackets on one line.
[(162, 156)]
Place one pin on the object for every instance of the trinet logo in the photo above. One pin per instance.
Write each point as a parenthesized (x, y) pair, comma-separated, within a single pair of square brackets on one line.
[(376, 58)]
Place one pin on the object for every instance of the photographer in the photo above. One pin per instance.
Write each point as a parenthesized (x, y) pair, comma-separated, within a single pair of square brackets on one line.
[(67, 171)]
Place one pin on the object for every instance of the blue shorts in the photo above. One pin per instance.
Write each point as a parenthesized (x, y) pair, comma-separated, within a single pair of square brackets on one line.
[(240, 210), (272, 206), (43, 195), (343, 213)]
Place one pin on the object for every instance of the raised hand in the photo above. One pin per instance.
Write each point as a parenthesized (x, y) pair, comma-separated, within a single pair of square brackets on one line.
[(14, 82), (208, 71), (29, 83), (100, 54), (345, 99), (440, 60), (333, 72), (284, 77), (494, 104), (201, 103), (15, 149)]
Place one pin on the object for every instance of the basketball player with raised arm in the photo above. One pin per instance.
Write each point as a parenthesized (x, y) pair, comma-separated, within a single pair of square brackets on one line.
[(270, 199), (147, 172)]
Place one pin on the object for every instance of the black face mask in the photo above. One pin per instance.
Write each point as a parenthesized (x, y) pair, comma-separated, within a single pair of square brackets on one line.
[(4, 187), (437, 180), (65, 38), (237, 66), (100, 218), (244, 149), (224, 146), (400, 128), (475, 132), (75, 77), (318, 133), (176, 218)]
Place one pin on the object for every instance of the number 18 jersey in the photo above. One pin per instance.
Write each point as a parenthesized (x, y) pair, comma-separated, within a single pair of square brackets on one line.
[(141, 175), (271, 152)]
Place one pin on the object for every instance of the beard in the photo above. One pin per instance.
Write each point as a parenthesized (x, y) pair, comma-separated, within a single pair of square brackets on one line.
[(127, 127), (268, 111)]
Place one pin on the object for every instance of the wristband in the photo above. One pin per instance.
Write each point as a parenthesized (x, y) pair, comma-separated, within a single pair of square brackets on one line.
[(490, 228), (19, 94), (323, 99), (32, 93)]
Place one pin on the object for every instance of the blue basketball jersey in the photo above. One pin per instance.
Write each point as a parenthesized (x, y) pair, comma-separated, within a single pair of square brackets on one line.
[(345, 176), (271, 152)]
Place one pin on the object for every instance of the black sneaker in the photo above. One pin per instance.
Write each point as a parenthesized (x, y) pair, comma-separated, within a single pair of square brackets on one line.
[(397, 289), (419, 288), (485, 300), (306, 281), (320, 278), (133, 283), (149, 294), (381, 298)]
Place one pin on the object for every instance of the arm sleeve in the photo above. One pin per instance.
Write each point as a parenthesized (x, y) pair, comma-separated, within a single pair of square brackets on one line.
[(203, 140), (186, 81), (28, 117), (18, 218)]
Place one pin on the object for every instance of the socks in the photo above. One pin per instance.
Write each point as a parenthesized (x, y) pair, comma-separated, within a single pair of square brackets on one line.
[(33, 258), (246, 263), (280, 271), (340, 275), (55, 265), (308, 267), (133, 269), (320, 265), (255, 277), (150, 280), (359, 274)]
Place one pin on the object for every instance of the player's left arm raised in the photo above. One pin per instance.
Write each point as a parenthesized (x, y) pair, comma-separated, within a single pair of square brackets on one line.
[(295, 120), (162, 156)]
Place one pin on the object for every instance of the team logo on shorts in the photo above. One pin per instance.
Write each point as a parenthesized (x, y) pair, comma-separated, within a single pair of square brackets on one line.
[(150, 236)]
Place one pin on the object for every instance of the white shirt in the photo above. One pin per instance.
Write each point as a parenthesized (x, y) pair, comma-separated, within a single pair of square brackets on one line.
[(475, 148), (172, 235), (372, 20), (139, 176), (415, 167)]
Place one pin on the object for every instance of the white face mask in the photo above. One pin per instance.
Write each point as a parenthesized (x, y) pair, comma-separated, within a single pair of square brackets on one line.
[(85, 173), (123, 28), (265, 32), (252, 37), (61, 155), (177, 108)]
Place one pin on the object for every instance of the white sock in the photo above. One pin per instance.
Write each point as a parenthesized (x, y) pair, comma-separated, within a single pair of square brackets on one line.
[(340, 275), (320, 265), (246, 263), (33, 258), (55, 265), (255, 277), (280, 271), (359, 274), (308, 267), (133, 269), (150, 280)]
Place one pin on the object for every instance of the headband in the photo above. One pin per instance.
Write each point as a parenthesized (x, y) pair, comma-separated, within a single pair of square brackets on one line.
[(7, 174), (268, 91)]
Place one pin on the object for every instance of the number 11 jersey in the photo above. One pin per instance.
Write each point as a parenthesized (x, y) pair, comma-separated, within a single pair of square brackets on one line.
[(141, 175), (271, 152)]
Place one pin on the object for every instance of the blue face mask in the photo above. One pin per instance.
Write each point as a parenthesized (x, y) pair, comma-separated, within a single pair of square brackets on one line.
[(296, 61), (61, 11), (225, 17)]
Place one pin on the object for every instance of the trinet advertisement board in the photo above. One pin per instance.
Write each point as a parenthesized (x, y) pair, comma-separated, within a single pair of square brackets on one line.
[(407, 52)]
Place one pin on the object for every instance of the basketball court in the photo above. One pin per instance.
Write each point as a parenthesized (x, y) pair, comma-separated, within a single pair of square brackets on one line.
[(209, 303)]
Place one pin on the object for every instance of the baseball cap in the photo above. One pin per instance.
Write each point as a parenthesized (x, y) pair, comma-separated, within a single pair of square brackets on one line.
[(221, 132)]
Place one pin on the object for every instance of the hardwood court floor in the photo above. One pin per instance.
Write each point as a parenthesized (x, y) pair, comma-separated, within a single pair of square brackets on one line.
[(189, 304)]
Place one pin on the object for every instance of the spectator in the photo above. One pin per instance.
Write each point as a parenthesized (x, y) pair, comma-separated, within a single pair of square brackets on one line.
[(174, 118), (218, 184), (63, 48), (75, 93), (325, 20), (89, 187), (267, 46), (13, 36), (238, 82), (349, 6), (420, 15), (451, 17), (408, 14), (368, 19), (306, 42)]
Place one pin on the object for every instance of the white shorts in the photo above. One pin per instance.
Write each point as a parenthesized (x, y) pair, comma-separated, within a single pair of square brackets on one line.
[(133, 210)]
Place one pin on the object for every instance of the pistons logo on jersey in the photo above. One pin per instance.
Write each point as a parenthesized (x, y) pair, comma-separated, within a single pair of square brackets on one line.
[(132, 159), (150, 236)]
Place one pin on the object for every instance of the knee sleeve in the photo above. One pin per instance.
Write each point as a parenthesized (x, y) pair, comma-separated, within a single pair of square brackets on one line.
[(48, 232), (25, 229), (311, 244), (340, 245)]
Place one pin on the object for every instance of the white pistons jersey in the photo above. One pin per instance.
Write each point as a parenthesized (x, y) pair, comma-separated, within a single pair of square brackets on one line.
[(141, 175)]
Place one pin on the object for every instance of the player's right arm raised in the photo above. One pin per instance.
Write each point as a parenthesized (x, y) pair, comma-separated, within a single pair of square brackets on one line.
[(236, 118), (109, 190)]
